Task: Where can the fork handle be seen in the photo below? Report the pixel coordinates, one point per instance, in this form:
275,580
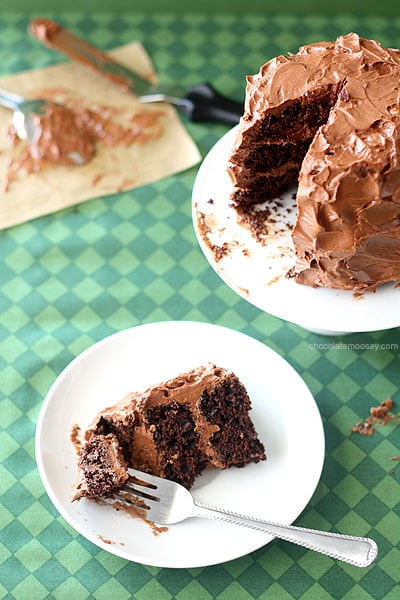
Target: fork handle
357,551
9,99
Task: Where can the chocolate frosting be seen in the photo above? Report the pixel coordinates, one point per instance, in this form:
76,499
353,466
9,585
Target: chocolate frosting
185,388
347,233
62,137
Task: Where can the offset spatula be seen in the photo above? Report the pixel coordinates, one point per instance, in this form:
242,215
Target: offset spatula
199,103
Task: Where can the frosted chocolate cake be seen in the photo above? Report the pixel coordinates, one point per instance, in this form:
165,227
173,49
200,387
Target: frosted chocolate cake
175,430
328,118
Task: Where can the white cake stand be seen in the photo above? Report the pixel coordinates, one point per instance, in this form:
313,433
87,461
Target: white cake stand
256,269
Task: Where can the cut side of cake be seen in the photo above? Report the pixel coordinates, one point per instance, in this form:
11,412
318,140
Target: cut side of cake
328,118
268,155
178,428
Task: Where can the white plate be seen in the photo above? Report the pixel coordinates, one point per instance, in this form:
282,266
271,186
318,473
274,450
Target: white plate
256,269
284,413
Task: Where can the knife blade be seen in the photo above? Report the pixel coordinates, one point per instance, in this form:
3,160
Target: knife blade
199,102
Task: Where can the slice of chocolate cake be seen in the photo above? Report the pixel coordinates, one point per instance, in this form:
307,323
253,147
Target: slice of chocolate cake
178,428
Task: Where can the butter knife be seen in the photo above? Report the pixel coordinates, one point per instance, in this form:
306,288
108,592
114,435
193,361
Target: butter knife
199,102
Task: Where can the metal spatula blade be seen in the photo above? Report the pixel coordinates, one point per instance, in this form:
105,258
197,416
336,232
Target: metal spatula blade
199,102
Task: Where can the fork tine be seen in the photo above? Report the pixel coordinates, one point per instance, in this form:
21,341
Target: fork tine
133,487
152,498
132,495
124,500
145,479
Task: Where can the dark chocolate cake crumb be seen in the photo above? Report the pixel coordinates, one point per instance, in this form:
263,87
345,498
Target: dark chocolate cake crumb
379,416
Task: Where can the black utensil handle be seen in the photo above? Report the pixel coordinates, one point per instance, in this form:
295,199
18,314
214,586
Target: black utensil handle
206,104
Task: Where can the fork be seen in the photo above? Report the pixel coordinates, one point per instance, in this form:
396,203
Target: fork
24,114
165,502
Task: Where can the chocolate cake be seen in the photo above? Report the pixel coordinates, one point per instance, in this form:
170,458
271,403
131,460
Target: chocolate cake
175,430
328,118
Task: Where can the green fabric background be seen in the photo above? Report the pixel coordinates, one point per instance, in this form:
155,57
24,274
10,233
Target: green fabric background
72,278
237,7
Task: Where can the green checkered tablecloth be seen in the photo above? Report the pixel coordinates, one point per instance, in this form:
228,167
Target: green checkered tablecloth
72,278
